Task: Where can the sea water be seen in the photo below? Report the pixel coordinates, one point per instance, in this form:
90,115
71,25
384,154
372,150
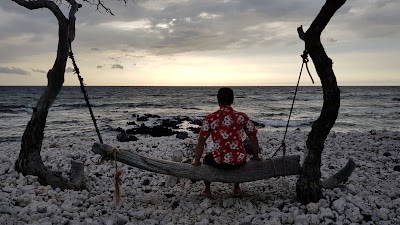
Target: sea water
362,108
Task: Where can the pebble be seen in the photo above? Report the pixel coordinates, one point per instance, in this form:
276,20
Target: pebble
5,165
312,208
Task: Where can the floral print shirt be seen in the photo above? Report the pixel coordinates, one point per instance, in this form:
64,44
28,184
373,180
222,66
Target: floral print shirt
226,127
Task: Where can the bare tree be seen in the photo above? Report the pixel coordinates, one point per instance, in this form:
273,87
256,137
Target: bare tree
309,187
29,160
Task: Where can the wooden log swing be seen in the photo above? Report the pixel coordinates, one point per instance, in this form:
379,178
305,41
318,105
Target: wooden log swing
251,171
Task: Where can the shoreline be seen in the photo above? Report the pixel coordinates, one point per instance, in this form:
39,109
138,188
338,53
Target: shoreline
371,195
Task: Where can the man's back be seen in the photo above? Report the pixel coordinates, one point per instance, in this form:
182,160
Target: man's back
226,126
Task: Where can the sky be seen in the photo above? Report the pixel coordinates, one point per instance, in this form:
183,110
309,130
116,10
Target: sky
202,43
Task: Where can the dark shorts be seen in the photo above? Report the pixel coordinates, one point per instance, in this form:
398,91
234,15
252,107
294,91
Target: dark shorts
209,160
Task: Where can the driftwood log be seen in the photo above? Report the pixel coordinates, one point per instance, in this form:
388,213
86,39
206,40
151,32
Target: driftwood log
251,171
340,177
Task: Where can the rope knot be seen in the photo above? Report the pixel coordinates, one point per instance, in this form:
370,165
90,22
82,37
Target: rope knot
305,56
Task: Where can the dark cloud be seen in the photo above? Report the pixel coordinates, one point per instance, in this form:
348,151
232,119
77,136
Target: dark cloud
69,70
39,71
13,70
117,66
161,27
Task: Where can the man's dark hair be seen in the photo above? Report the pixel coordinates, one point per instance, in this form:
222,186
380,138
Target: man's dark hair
225,96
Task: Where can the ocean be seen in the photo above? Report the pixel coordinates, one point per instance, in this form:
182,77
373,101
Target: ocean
362,108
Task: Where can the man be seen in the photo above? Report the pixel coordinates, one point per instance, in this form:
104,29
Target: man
226,126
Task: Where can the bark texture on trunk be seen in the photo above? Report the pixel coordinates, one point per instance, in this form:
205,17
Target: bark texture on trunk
29,160
309,186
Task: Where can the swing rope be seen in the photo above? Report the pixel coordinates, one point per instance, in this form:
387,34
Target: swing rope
76,69
304,56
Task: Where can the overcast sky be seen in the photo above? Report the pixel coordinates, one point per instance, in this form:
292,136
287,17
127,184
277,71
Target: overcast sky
202,42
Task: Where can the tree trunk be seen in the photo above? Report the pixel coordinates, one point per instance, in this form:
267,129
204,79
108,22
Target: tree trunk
309,186
29,161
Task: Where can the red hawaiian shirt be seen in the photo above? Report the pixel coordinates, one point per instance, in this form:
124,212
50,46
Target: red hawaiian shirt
226,127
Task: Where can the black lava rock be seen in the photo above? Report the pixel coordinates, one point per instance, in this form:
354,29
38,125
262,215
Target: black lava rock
182,135
387,154
124,137
131,123
175,205
146,182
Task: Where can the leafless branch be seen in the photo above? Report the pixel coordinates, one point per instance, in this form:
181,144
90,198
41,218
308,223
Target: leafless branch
38,4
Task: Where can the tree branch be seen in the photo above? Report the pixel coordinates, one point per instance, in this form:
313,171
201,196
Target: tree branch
71,29
38,4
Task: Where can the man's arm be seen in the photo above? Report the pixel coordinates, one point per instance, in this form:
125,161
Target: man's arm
199,151
255,146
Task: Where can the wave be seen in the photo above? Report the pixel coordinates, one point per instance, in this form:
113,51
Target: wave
193,108
12,108
278,124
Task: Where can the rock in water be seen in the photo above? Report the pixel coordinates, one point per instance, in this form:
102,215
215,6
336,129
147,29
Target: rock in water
124,137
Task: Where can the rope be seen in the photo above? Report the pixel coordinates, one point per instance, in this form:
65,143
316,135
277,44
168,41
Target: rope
304,56
71,55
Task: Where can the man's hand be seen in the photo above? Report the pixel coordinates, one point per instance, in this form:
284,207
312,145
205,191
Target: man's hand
196,163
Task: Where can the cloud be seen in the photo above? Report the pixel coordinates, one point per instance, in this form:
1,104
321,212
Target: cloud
69,70
13,70
117,66
39,71
330,40
167,27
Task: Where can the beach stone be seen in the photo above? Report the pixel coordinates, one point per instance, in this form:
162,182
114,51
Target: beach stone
227,203
287,218
142,118
275,214
302,219
24,200
314,219
326,213
272,221
354,215
124,137
383,213
6,209
5,165
139,215
146,182
245,223
387,154
28,189
131,123
182,135
338,205
352,189
206,203
41,207
323,203
312,208
204,221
